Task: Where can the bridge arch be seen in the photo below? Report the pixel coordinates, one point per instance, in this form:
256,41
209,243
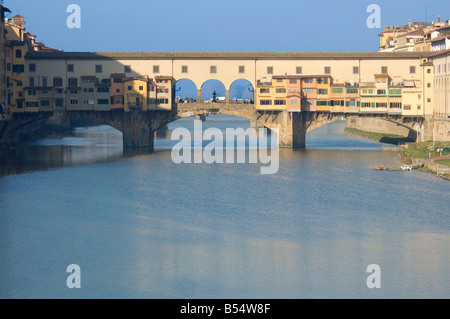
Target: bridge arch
241,89
185,90
209,87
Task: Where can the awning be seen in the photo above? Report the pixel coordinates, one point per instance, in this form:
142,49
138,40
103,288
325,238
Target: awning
408,83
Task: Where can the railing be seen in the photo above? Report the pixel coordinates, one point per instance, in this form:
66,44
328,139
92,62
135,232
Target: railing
134,105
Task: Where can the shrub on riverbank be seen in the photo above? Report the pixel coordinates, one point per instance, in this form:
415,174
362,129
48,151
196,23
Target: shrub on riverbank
381,137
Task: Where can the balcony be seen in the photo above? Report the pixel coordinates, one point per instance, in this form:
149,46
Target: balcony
263,83
135,105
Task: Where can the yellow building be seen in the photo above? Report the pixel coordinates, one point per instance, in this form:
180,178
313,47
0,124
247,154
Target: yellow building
136,93
323,86
337,97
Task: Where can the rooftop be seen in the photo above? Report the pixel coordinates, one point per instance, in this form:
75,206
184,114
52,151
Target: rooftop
224,55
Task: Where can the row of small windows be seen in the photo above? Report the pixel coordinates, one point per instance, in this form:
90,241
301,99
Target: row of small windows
241,69
60,102
311,102
339,90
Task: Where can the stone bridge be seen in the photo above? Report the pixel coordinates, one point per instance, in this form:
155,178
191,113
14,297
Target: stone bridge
138,127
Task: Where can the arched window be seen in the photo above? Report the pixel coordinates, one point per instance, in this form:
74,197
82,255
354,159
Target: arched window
18,53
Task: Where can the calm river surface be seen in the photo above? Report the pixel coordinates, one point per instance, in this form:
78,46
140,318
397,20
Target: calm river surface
141,226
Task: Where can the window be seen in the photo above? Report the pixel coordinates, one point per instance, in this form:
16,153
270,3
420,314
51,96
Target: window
241,69
73,92
322,91
184,69
156,69
45,102
57,82
279,90
407,107
267,90
89,80
428,100
32,104
31,81
31,92
298,70
102,101
270,70
117,80
337,90
322,80
265,102
294,101
44,81
308,91
280,102
384,70
308,80
102,89
428,85
213,69
395,92
352,90
18,68
18,53
127,69
98,68
395,105
73,82
141,88
32,67
73,101
428,70
418,107
355,69
70,68
381,104
327,70
381,92
59,102
412,69
293,81
88,101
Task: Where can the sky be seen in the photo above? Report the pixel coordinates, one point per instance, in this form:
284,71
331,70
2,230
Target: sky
219,25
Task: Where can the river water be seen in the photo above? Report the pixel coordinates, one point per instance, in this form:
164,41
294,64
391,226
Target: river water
141,226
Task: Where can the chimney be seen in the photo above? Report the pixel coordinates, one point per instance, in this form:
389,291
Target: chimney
439,18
